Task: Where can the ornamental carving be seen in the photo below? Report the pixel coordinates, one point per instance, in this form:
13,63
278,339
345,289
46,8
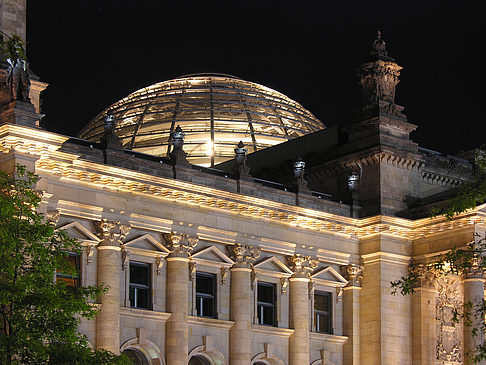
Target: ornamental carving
302,266
53,216
475,271
111,233
353,273
449,330
426,276
244,256
180,244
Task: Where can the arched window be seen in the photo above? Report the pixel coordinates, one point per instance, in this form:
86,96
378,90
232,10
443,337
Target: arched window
136,356
198,360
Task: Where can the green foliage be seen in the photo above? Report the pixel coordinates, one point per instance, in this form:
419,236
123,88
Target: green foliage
12,47
469,195
39,317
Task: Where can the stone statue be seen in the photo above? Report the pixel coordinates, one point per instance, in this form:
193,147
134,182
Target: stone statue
18,80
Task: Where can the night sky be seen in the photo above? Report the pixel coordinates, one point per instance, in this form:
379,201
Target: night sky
93,53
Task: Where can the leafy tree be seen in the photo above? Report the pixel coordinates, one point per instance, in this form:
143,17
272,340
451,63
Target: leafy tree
460,260
12,47
39,317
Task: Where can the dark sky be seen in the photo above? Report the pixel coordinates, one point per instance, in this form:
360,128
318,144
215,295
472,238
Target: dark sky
93,53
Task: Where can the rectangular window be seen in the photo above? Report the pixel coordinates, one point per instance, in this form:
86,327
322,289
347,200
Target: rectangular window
266,304
323,312
139,289
72,278
206,295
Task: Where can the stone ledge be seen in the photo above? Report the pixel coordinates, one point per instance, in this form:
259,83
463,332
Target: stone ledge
325,337
210,322
145,314
275,331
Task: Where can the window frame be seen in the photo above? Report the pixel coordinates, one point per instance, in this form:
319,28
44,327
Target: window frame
137,286
317,313
260,304
200,295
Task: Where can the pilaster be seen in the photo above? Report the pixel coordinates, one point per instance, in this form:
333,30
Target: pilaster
474,295
112,233
299,344
241,304
177,340
424,331
351,316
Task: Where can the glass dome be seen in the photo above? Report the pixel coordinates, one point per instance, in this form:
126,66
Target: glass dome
215,112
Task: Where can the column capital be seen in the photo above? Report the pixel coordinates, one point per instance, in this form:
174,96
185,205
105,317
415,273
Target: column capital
426,276
180,244
475,271
353,273
243,256
302,265
111,233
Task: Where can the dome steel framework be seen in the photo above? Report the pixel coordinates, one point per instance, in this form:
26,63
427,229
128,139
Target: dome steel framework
215,112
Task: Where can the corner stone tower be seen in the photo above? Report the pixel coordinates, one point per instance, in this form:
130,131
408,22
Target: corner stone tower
379,139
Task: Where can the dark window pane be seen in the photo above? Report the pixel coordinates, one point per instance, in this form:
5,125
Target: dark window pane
321,301
206,295
139,274
266,304
266,293
205,284
323,312
139,288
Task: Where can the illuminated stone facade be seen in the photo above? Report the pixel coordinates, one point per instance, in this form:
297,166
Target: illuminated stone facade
221,267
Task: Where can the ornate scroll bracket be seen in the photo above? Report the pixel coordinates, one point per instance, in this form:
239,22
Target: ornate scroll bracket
302,266
159,264
180,244
224,275
192,270
284,284
244,256
111,233
125,259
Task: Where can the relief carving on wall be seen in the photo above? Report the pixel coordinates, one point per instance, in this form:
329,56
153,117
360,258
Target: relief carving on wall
449,331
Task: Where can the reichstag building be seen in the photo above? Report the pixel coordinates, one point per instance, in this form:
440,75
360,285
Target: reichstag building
233,227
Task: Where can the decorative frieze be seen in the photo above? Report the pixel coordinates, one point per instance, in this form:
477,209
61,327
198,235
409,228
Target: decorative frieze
111,233
180,244
301,265
353,273
244,256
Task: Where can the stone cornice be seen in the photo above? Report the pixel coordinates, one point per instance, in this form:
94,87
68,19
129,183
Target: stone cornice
370,156
68,167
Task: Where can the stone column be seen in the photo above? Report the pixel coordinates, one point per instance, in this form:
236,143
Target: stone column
351,317
299,345
112,234
241,304
424,329
177,337
474,295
